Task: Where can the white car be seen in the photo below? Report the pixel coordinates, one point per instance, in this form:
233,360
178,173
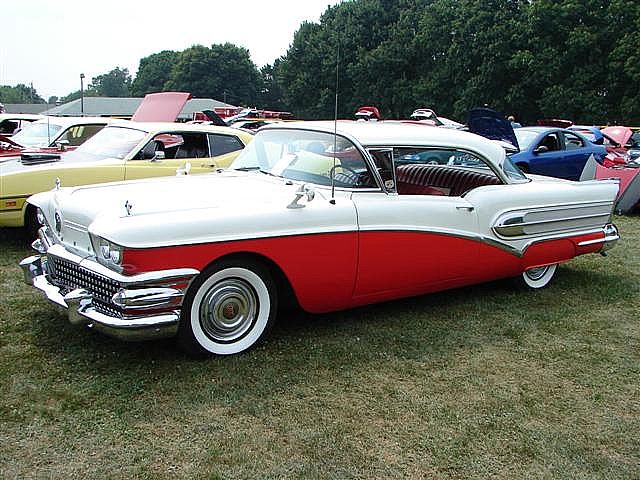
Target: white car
330,215
11,123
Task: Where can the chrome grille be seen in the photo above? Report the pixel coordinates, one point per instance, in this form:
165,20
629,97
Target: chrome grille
70,276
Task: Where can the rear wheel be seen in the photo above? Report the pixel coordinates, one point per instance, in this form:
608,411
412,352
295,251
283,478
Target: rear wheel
229,309
539,277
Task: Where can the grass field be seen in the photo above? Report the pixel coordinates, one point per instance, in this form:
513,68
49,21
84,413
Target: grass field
481,382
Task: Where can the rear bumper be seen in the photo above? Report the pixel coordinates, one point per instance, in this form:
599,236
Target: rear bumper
140,307
611,237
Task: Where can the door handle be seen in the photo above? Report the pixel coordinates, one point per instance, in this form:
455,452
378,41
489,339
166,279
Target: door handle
466,208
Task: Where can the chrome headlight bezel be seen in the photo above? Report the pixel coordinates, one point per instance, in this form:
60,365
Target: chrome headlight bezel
40,217
107,253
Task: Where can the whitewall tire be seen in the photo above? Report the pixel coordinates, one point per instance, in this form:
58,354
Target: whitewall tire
539,277
228,310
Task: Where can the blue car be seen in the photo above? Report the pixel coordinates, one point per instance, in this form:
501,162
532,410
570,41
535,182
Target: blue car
555,152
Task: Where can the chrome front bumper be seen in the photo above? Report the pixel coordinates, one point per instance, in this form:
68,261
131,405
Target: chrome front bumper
145,306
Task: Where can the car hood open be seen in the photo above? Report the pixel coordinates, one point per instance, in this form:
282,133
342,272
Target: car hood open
621,135
492,125
161,107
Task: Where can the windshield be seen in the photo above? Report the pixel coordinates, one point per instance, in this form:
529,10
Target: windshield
525,138
110,142
37,134
306,156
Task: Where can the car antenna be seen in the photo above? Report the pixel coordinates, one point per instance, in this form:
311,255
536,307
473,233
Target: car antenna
335,132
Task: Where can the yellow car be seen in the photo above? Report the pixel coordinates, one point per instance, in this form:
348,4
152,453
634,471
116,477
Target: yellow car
121,151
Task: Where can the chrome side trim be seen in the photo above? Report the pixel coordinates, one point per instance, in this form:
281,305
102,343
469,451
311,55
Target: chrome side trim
551,219
496,242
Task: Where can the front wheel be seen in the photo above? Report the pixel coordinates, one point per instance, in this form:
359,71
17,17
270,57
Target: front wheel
228,309
539,277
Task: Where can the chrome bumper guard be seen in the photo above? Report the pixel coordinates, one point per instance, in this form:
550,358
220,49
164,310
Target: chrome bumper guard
611,237
132,312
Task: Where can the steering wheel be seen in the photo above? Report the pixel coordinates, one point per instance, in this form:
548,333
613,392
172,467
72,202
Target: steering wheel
348,176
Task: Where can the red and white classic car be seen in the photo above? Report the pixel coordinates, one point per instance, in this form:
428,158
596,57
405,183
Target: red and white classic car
329,215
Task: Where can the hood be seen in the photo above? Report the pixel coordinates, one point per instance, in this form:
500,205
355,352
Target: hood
175,210
621,135
492,125
161,107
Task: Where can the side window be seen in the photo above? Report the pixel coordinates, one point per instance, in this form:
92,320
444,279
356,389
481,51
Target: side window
176,146
222,144
383,160
8,127
78,134
551,142
443,172
571,141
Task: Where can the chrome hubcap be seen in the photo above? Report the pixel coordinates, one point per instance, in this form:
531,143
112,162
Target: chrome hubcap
536,273
228,310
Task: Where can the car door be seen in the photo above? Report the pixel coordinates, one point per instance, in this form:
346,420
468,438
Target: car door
576,154
413,243
168,154
549,156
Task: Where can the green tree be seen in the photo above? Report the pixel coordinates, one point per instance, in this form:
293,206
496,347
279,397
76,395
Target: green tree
154,72
534,58
19,94
270,96
116,83
221,72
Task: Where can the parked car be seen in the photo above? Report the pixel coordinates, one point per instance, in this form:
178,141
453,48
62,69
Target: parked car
11,123
555,152
51,134
314,212
617,153
59,134
121,151
628,199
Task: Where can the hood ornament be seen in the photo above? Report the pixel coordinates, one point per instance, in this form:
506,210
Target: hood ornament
57,183
128,206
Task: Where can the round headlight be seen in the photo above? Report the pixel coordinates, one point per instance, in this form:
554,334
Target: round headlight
105,251
40,217
116,255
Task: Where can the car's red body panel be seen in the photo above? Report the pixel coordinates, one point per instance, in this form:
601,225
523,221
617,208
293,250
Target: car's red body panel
356,264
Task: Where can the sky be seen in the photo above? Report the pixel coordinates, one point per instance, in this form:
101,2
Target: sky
50,43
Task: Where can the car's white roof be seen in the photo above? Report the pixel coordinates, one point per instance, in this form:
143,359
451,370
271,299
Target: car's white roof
157,127
371,134
71,121
20,116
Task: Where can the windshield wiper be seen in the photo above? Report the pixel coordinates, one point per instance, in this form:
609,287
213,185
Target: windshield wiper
247,169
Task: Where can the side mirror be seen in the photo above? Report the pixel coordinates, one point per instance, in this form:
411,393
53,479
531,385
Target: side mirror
153,151
541,149
62,145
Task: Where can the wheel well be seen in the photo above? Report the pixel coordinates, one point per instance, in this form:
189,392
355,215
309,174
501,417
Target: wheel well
523,166
286,295
29,211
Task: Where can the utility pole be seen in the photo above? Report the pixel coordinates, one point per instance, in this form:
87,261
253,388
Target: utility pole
81,94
